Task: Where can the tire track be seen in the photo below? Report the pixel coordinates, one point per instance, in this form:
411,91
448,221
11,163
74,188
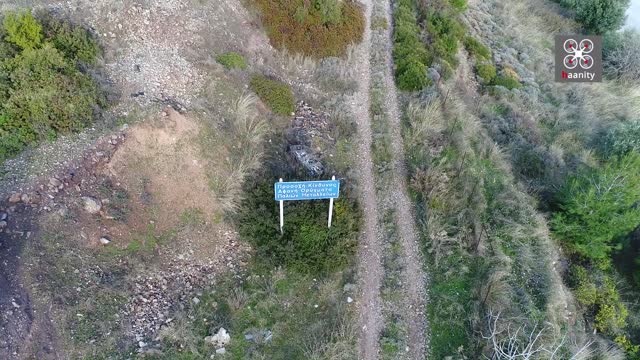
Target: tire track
414,277
370,248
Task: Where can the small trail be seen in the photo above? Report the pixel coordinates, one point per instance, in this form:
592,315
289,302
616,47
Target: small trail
370,249
414,277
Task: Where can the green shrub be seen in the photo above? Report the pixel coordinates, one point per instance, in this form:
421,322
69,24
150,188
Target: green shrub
475,48
330,11
306,245
232,60
22,30
42,90
74,42
446,32
411,75
597,206
508,81
49,94
318,28
487,72
275,94
409,52
620,140
600,16
459,5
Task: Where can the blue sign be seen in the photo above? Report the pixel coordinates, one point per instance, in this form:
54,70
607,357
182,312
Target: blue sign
307,190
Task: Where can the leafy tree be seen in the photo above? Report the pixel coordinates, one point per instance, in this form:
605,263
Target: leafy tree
600,16
23,30
599,205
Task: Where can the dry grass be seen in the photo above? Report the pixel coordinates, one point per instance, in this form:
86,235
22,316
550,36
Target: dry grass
236,150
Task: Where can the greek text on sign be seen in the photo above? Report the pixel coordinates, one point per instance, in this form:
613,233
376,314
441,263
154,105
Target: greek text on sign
307,190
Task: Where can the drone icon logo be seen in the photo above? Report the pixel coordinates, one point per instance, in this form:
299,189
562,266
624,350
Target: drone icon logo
578,54
578,58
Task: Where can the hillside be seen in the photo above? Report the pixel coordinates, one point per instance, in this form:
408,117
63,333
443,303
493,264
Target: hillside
486,210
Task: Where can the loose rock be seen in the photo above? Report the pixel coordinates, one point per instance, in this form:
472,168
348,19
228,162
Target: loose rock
91,204
15,198
55,182
104,240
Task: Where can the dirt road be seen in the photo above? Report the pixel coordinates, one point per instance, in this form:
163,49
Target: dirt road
414,276
370,249
371,269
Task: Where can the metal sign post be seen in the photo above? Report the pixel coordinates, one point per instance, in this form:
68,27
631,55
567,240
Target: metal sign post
281,214
306,190
331,206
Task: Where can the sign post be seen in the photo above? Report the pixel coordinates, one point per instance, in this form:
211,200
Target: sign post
281,214
331,205
306,190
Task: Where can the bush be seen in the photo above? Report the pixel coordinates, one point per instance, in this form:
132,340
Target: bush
487,72
23,30
622,55
42,90
73,41
508,78
460,5
232,60
409,53
445,32
597,206
318,28
620,140
275,94
475,48
598,294
600,16
306,245
411,75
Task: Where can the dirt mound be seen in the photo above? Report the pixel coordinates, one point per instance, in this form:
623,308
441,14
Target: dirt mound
160,164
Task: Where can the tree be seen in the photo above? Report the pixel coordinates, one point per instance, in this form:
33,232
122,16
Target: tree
600,16
598,206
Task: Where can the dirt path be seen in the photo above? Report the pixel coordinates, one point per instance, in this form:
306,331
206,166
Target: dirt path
414,276
370,249
371,269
